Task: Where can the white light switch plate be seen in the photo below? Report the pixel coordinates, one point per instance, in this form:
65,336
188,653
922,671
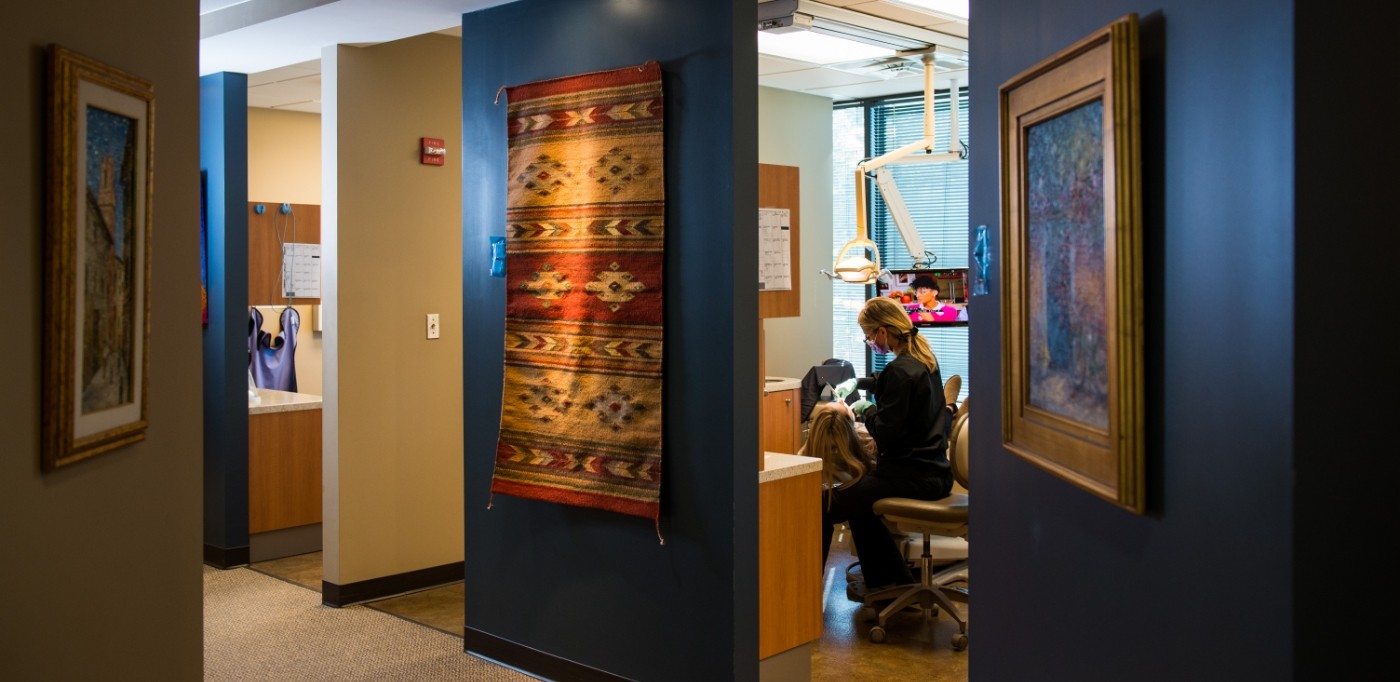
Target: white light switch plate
433,330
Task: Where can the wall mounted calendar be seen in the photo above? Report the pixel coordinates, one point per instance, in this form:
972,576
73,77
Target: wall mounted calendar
301,270
774,249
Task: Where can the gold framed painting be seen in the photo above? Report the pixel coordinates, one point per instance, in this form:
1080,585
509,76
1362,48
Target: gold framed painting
1072,334
97,258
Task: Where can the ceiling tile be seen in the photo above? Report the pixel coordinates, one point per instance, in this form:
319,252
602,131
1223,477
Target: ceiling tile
311,68
953,27
768,64
811,79
909,85
307,107
297,87
304,89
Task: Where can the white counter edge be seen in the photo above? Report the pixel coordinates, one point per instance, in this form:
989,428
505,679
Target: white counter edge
282,401
775,384
777,466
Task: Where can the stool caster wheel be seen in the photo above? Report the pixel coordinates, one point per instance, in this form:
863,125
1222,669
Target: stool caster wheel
959,642
869,613
877,634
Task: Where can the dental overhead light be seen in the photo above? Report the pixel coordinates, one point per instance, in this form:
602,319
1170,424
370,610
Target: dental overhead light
858,268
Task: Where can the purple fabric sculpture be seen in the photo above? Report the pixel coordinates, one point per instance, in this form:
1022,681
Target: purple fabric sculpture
272,358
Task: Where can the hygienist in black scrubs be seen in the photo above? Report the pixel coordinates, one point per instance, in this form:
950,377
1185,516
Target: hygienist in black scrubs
909,421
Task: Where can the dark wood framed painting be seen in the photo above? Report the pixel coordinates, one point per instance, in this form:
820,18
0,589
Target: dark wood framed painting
1072,334
97,250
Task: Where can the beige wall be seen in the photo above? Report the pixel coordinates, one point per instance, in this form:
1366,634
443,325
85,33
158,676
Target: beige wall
102,559
284,156
284,166
391,233
794,129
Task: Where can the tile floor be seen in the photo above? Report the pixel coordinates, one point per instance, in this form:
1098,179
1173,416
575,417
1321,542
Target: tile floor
915,648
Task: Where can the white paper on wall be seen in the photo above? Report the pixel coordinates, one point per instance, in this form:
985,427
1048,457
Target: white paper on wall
301,270
774,249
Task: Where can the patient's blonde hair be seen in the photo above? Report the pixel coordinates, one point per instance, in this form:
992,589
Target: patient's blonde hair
832,435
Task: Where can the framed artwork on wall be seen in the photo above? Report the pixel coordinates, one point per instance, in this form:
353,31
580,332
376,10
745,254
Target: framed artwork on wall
204,247
96,257
1072,339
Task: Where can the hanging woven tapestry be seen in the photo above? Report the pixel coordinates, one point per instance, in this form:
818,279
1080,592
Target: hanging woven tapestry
585,216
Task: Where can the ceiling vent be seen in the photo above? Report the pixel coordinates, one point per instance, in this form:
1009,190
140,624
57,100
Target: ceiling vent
888,68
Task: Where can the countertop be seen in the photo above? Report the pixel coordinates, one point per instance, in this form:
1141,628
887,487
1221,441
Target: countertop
777,466
773,384
282,401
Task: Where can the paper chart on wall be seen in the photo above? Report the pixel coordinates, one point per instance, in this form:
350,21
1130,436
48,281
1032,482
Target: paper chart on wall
301,270
774,249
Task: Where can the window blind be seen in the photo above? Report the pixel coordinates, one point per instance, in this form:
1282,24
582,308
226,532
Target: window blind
936,196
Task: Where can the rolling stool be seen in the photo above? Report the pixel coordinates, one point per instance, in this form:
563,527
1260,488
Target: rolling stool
930,518
946,517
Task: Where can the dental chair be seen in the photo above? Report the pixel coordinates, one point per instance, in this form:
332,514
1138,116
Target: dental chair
937,518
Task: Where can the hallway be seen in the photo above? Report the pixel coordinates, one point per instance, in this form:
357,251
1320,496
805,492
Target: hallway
257,627
915,651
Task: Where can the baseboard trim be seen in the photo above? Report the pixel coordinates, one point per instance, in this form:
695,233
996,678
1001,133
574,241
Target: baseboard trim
390,585
284,542
532,661
225,557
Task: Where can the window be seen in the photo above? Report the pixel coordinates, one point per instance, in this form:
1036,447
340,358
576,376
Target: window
936,195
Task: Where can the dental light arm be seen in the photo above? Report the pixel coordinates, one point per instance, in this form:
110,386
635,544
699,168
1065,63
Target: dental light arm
858,269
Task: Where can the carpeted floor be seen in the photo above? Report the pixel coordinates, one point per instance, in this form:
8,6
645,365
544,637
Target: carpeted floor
257,627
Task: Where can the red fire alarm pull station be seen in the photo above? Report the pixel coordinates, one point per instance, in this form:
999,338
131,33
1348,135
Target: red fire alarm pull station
434,153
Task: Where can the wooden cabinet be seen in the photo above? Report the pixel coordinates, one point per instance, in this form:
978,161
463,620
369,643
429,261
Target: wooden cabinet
789,558
284,469
781,428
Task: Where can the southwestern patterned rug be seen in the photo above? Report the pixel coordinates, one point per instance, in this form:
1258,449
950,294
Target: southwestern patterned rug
585,212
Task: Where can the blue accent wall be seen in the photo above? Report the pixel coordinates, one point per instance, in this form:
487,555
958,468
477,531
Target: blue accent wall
223,156
1071,587
591,587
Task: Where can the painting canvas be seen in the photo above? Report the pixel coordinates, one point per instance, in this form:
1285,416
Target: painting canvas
1065,273
1072,343
204,247
97,253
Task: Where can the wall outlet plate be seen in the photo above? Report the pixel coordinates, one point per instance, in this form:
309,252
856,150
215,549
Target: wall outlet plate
434,330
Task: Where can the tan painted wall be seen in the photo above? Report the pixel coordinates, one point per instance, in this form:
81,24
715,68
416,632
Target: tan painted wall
392,230
102,569
794,129
284,166
284,156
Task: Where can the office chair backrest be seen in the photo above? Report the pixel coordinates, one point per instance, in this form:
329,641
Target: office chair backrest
958,450
829,373
951,388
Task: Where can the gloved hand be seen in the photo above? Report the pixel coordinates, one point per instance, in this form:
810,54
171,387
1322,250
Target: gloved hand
844,388
860,406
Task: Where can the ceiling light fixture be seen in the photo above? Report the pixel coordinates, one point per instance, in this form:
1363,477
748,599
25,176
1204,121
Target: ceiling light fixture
818,48
785,16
